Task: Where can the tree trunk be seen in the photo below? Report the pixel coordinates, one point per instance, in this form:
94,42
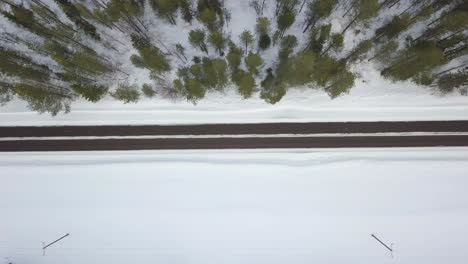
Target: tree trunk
349,25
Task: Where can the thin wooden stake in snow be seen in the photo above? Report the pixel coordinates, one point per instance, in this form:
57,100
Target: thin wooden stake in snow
385,245
50,244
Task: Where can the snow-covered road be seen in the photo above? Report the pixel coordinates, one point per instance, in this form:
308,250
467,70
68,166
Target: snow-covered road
293,206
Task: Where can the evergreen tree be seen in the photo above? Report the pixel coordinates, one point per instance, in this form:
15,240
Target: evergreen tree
316,10
394,27
218,41
210,13
273,89
245,83
263,32
166,8
126,93
74,15
359,51
42,98
451,81
247,39
148,90
418,58
363,11
253,62
149,57
234,58
90,92
285,20
6,92
341,83
197,39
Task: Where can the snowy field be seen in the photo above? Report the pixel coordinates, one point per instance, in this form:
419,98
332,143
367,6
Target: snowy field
294,206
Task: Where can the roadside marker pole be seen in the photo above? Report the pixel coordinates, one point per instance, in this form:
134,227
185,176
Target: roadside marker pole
50,244
383,244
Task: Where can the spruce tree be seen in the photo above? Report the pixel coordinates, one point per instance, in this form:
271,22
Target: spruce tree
234,58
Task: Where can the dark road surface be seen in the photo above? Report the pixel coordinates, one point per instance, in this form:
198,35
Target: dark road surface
234,143
238,129
248,142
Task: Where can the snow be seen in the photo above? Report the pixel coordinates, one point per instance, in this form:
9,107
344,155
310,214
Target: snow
373,99
275,206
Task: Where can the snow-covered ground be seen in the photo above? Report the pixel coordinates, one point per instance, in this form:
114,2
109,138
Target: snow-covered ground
276,206
373,99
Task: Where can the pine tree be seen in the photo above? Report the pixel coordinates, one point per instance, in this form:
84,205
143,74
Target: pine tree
197,39
418,58
341,83
218,41
285,20
451,81
394,27
263,30
253,62
245,83
126,93
166,9
90,92
148,90
149,57
316,10
74,15
273,89
6,93
359,51
42,98
336,43
364,10
247,39
234,58
211,13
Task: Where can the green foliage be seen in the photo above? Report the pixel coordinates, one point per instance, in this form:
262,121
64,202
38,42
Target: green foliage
342,82
253,62
264,41
289,42
359,51
246,38
197,39
121,9
91,92
245,83
394,27
285,20
41,98
195,80
217,40
316,10
234,58
149,57
318,37
386,51
15,64
321,8
126,93
448,82
421,57
148,90
6,93
366,9
74,15
166,9
263,26
273,90
211,13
